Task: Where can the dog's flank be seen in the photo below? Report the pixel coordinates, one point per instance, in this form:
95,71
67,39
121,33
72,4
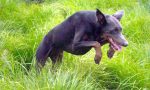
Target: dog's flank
81,32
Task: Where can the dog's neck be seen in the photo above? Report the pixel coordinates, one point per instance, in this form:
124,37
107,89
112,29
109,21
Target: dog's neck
101,40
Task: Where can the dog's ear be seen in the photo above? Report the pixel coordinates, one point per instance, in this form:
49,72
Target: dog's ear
100,17
119,14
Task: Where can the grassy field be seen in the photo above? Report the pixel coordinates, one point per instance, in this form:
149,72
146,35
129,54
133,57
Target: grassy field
24,24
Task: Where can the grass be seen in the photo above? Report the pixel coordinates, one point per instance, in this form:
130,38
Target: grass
23,25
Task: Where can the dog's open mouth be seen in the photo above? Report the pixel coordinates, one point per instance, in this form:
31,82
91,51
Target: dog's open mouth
114,45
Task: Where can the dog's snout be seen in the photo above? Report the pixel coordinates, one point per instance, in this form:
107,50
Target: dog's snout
125,44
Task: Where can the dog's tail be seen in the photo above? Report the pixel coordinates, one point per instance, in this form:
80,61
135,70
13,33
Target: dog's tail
43,51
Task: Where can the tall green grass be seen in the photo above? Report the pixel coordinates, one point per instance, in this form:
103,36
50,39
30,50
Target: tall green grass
23,24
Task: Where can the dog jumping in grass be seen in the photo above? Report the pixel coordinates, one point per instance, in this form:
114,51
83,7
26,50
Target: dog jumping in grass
81,32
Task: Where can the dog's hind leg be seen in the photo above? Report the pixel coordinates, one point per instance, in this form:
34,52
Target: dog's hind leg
43,52
56,56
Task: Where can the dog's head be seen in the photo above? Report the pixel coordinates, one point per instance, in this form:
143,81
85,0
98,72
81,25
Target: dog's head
112,29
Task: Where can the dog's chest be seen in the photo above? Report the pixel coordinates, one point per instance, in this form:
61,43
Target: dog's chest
87,37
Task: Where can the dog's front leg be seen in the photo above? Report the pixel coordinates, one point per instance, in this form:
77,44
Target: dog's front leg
79,43
84,44
98,53
110,52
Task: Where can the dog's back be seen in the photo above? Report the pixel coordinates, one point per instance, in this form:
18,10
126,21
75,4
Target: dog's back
64,33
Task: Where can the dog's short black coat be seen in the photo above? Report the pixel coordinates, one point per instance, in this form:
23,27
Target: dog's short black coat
77,35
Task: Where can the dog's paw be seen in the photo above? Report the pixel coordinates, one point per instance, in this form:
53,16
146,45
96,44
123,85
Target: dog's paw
110,54
97,58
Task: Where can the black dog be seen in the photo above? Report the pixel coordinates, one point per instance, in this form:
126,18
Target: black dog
79,33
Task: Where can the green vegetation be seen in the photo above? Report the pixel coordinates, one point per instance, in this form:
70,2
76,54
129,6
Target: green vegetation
24,24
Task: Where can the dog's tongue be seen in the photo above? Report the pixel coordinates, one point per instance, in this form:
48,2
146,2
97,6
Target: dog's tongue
114,45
